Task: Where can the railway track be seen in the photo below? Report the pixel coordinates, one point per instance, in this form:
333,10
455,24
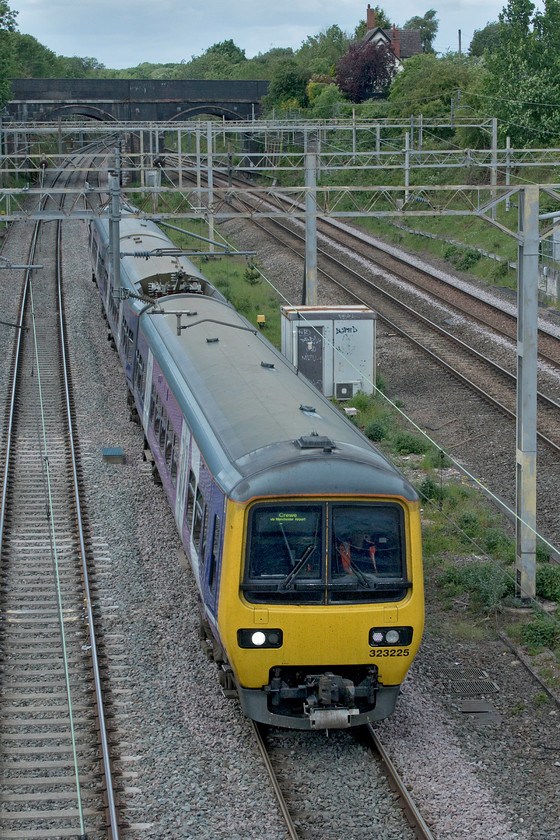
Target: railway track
55,763
315,802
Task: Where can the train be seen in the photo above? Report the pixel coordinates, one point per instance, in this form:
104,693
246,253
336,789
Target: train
304,540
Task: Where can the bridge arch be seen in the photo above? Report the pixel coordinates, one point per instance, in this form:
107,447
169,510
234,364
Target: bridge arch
214,110
80,110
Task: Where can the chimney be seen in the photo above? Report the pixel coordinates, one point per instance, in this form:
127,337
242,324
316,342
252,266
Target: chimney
370,18
396,42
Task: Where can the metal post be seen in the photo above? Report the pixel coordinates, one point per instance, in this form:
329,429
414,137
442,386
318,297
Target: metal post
494,169
406,164
377,141
526,455
420,135
412,131
210,177
354,143
508,169
180,154
198,164
142,176
311,297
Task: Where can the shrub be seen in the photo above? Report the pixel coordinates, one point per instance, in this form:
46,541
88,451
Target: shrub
430,489
542,632
406,443
461,257
376,430
252,275
496,542
361,401
487,583
548,583
436,459
469,522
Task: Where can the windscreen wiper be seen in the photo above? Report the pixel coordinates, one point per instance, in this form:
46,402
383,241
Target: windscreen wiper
299,565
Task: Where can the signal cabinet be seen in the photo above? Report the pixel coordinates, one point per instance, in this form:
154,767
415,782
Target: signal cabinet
332,346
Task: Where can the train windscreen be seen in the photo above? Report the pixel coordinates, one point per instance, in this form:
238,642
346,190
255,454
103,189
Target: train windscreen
325,553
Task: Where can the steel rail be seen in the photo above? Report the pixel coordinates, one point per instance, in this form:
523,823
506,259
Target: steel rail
413,815
13,389
113,821
257,731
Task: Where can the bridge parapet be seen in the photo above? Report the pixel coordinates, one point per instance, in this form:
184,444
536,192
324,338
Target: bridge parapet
132,100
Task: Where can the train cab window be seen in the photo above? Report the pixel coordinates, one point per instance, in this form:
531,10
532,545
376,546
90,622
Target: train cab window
191,495
214,554
285,556
367,548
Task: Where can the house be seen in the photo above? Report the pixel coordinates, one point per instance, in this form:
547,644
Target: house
403,42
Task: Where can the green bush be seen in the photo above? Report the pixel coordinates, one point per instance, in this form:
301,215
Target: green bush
469,522
361,401
406,443
430,489
461,257
544,631
436,459
487,583
497,543
376,430
548,583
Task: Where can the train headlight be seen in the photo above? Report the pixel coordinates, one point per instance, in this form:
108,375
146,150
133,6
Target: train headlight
389,636
259,638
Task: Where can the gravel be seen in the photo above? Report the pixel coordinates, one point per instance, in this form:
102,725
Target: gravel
190,768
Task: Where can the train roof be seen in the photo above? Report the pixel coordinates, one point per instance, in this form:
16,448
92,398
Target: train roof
142,236
262,428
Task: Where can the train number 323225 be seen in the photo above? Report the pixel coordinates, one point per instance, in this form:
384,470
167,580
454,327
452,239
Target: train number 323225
389,652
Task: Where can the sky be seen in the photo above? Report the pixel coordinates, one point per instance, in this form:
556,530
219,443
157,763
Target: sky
125,33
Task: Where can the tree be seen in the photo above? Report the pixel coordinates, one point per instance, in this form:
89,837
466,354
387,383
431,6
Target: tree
288,85
523,89
30,59
7,17
320,53
366,70
220,61
485,39
428,26
7,26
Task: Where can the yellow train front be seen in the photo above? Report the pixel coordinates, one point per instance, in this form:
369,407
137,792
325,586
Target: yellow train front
322,613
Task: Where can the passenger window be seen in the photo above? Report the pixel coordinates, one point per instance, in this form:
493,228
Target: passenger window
174,460
214,555
169,445
157,416
197,527
162,428
190,500
203,536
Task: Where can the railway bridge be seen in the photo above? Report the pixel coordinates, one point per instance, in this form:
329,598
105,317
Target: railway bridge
134,100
